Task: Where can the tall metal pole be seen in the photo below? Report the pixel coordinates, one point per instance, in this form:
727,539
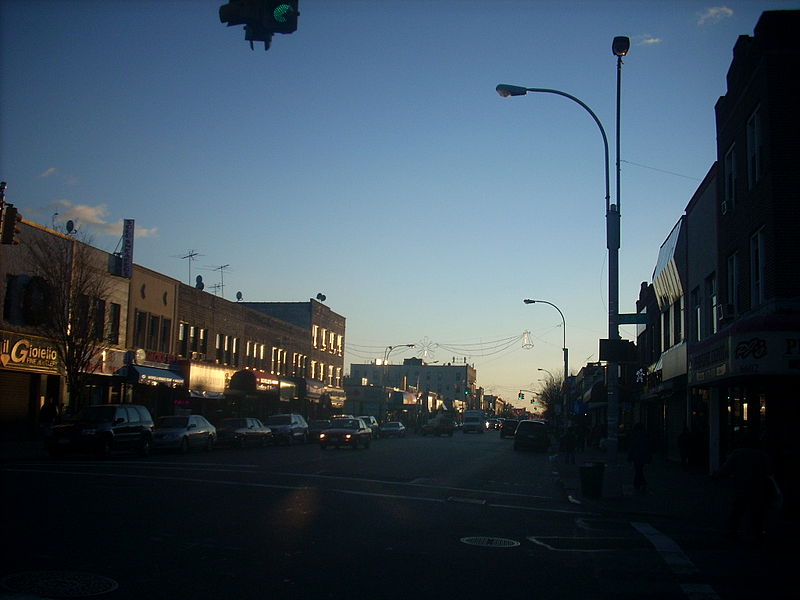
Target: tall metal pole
620,48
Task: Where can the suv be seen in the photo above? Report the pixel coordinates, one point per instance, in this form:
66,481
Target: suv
102,428
532,434
372,423
439,425
288,428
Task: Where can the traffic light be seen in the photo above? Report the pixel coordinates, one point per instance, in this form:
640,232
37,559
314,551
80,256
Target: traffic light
521,396
261,18
11,219
281,16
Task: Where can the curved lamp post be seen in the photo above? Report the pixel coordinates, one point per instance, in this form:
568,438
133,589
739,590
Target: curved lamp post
612,243
564,328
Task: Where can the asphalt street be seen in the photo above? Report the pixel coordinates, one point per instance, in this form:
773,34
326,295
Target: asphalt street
462,516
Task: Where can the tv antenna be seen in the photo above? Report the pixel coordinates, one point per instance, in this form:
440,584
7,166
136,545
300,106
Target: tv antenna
191,255
221,285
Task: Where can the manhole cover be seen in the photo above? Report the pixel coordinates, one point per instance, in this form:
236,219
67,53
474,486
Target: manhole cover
490,542
59,584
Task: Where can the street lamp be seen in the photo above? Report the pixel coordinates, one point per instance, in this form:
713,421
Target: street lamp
612,243
389,350
563,327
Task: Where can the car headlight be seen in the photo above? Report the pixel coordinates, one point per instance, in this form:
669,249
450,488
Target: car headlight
322,436
348,436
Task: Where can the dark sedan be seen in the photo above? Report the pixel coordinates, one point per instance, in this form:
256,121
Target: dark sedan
393,429
346,432
507,427
244,431
531,434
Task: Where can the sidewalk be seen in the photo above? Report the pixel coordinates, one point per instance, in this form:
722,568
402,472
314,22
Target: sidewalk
690,496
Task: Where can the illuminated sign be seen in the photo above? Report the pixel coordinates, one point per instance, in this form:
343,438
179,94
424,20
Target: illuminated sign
27,353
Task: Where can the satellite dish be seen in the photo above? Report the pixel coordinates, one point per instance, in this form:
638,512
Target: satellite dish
321,297
239,296
70,226
199,282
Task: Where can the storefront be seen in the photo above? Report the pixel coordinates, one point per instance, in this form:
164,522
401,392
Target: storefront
747,378
28,378
154,380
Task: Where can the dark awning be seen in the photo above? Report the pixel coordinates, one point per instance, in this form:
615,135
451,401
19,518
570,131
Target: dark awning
150,375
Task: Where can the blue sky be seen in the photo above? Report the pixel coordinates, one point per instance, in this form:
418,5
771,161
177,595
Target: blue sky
368,157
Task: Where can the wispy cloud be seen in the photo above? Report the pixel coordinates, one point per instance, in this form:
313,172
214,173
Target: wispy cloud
647,40
48,172
96,218
715,14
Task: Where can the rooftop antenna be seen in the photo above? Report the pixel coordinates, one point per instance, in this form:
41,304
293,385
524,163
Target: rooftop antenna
221,285
191,255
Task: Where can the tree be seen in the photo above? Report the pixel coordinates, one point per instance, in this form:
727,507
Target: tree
550,396
65,301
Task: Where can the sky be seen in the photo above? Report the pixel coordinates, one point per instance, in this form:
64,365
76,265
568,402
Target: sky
367,157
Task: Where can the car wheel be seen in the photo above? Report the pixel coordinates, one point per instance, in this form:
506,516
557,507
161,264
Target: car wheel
184,446
144,447
209,443
366,444
104,449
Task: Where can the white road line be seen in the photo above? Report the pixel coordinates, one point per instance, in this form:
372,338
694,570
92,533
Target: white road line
678,562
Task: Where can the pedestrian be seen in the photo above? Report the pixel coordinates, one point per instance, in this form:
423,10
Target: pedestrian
48,414
753,489
640,454
685,447
567,447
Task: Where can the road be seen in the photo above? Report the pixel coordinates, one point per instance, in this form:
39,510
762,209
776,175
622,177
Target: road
423,517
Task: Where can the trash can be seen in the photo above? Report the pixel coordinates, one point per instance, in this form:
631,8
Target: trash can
592,479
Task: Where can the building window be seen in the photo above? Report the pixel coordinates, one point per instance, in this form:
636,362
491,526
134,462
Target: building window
315,336
153,330
666,330
696,315
139,329
755,149
677,321
732,306
99,319
114,316
235,352
729,192
218,348
757,268
166,334
713,308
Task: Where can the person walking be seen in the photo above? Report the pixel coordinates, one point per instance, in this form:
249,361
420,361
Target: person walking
640,454
567,447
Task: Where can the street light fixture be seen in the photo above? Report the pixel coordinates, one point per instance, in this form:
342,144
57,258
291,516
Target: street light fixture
612,243
563,327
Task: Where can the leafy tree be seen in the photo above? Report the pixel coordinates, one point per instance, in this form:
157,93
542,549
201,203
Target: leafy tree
550,396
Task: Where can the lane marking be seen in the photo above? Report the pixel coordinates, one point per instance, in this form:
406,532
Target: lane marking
677,561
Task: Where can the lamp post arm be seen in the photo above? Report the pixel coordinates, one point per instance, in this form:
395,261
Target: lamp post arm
599,125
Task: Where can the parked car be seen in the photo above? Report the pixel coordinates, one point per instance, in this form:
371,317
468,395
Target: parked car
492,424
346,432
288,428
316,427
508,427
393,429
184,433
531,434
103,428
439,425
244,431
372,423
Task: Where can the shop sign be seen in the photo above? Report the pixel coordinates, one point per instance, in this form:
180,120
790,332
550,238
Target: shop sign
27,353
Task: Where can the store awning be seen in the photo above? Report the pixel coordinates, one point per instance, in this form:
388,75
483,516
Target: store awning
150,375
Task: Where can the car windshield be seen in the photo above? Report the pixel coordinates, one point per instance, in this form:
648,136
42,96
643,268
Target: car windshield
172,422
320,423
97,414
279,420
344,424
234,423
531,426
392,425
